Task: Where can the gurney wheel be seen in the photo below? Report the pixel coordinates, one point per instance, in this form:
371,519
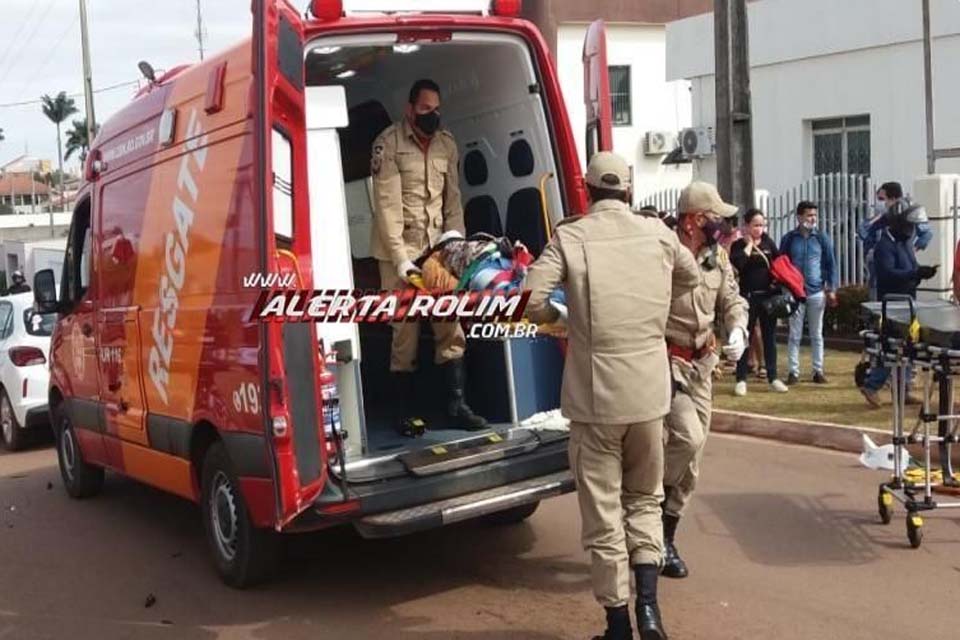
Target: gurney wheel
885,506
914,529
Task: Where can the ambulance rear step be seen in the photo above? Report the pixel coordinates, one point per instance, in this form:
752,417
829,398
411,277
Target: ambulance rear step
465,507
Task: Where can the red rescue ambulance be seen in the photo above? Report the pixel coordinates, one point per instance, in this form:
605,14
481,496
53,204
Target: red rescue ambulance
257,161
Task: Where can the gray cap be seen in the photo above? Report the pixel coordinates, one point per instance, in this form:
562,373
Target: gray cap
607,170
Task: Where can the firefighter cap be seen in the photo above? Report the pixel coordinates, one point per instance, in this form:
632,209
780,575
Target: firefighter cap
703,196
607,170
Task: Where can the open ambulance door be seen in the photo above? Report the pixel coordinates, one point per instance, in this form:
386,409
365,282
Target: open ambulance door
596,90
289,356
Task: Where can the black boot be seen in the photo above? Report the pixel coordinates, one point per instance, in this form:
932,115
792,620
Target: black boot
402,386
457,407
673,564
649,624
618,624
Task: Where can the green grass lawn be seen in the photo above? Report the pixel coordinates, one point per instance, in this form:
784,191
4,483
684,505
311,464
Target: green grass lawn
839,401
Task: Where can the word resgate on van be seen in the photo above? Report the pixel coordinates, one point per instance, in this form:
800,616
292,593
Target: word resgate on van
176,249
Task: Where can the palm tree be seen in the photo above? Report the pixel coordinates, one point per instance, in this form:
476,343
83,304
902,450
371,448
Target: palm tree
57,110
77,140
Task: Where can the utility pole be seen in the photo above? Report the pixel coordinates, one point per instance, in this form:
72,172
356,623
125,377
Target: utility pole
734,111
199,32
928,89
87,76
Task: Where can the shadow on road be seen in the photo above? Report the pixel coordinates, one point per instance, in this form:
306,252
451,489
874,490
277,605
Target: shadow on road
780,529
133,540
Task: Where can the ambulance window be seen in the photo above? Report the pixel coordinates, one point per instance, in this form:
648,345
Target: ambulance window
282,186
77,264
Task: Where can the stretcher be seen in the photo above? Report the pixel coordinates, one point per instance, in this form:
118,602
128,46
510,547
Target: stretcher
923,337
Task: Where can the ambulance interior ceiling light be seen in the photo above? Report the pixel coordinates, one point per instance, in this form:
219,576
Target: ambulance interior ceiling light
406,48
325,51
349,73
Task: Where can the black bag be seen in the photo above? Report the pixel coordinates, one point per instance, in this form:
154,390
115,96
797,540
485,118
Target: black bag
779,303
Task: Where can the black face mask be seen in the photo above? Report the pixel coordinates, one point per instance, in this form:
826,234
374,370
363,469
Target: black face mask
714,230
427,122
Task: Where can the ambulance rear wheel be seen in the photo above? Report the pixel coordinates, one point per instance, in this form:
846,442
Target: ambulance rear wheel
243,554
513,515
81,479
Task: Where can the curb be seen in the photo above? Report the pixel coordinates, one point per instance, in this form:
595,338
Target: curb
825,435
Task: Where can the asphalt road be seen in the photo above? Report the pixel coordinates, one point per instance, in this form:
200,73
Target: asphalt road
783,542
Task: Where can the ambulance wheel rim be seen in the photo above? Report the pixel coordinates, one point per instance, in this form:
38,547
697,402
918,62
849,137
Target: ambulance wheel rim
6,419
69,450
223,513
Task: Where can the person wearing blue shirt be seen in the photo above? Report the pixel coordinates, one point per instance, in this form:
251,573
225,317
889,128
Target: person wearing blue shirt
811,252
871,230
897,272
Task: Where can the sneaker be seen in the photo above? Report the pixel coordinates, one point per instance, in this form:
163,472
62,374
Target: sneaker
793,379
819,378
871,396
740,389
778,387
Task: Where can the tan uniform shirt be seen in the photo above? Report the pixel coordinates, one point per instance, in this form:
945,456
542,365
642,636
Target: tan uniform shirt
620,273
416,194
692,315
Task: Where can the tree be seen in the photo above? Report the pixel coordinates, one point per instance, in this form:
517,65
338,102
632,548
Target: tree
57,110
1,134
78,140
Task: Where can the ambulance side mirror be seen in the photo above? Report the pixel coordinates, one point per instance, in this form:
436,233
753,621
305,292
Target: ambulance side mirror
45,291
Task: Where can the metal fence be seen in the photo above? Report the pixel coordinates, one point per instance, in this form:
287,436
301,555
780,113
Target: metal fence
843,201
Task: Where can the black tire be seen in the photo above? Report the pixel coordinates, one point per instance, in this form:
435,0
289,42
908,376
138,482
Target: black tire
914,530
81,479
513,515
242,554
11,434
885,510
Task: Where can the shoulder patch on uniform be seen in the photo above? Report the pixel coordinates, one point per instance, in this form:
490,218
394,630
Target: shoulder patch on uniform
376,158
723,258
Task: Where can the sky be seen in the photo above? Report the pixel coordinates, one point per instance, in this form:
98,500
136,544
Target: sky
40,54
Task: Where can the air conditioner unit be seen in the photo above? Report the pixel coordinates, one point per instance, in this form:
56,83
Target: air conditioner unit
696,142
658,143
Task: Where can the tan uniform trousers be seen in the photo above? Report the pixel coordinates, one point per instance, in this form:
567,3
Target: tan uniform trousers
686,429
449,339
618,469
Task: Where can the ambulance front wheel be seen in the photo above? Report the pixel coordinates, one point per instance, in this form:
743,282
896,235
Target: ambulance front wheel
81,479
243,554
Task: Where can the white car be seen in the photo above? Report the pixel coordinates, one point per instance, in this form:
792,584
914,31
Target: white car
24,369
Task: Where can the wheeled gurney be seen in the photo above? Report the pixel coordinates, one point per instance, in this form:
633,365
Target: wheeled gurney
925,337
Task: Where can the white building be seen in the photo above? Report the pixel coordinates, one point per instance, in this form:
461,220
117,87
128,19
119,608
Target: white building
836,87
643,99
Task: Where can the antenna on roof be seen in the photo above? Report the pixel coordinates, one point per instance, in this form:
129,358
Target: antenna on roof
147,71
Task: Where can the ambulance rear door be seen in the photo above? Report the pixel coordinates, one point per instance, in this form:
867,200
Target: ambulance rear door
289,355
596,90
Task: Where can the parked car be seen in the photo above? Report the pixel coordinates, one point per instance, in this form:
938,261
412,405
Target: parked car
24,373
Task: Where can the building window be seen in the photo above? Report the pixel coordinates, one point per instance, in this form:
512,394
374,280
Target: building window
620,95
841,145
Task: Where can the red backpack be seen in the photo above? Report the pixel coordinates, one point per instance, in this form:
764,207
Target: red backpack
789,276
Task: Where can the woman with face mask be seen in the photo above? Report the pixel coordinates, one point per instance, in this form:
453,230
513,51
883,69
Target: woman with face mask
751,256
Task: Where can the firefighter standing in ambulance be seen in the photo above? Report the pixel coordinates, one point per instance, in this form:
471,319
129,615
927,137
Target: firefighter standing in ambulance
620,272
703,217
416,199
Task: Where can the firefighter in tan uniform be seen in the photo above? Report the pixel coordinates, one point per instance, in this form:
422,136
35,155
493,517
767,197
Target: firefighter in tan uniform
620,272
703,219
416,198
